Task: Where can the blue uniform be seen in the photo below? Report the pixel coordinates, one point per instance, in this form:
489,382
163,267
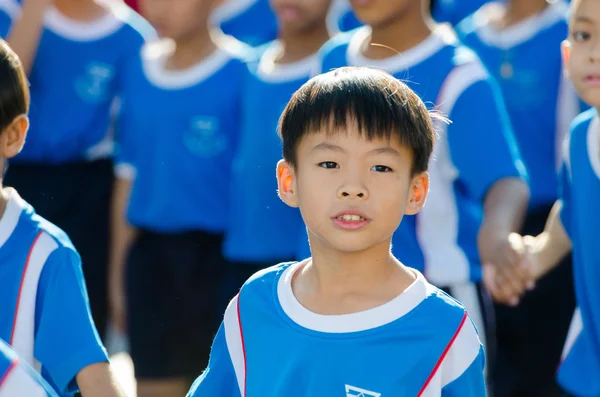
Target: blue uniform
526,61
341,18
472,153
454,11
179,132
17,378
262,228
74,82
580,215
45,315
421,343
253,22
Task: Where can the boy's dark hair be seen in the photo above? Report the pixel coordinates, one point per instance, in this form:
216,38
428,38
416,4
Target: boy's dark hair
380,105
14,91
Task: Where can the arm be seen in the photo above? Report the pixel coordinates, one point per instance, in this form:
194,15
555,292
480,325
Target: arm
24,37
97,380
122,236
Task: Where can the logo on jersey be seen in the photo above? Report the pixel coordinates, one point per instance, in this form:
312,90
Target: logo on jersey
93,86
352,391
203,137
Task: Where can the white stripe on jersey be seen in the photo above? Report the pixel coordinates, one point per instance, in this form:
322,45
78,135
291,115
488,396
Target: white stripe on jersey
574,331
234,340
22,339
11,7
18,382
438,223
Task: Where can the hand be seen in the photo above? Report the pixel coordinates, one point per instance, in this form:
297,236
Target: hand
506,273
118,308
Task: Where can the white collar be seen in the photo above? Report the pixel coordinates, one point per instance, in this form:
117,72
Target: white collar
12,213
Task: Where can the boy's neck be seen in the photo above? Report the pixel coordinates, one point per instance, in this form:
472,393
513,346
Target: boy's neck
397,36
519,10
80,10
192,50
299,46
333,274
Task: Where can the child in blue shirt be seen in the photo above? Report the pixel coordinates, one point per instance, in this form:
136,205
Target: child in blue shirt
574,223
17,378
352,319
44,313
73,52
519,43
179,128
262,229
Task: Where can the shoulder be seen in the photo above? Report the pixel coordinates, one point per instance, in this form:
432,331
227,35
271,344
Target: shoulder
576,140
12,8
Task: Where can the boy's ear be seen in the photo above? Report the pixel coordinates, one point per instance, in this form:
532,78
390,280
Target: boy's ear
286,183
419,187
565,47
13,137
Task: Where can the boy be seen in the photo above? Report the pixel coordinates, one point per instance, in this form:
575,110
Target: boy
283,67
476,171
353,319
575,220
73,51
17,378
180,122
541,104
44,311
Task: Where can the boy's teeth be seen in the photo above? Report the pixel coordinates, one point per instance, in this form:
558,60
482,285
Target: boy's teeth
350,218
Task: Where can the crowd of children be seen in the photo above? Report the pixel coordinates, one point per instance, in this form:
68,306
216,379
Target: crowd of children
390,191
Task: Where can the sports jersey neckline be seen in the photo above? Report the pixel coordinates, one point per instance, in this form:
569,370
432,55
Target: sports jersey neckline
441,36
230,9
12,213
365,320
82,31
270,71
519,33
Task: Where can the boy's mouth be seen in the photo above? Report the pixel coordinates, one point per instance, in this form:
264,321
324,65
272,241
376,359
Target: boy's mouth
593,79
350,220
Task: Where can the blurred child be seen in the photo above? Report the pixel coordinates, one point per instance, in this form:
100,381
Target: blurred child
356,145
44,313
180,122
254,237
73,51
476,171
519,43
17,378
575,220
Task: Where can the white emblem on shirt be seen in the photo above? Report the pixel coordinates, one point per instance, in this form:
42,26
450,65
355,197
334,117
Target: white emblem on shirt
352,391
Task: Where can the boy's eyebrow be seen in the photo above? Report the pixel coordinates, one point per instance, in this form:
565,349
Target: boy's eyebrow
327,146
386,150
584,19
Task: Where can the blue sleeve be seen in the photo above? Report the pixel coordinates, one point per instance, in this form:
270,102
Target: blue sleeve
219,377
481,140
470,383
66,339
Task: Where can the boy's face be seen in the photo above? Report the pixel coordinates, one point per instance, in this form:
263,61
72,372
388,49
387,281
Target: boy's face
582,51
380,12
352,192
177,19
298,16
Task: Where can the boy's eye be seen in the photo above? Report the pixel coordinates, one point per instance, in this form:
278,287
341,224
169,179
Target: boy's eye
581,36
381,168
328,164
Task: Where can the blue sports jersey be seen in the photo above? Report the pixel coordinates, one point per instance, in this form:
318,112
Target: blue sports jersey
341,18
580,215
17,378
526,61
472,153
421,343
74,82
454,11
179,132
262,227
250,21
46,316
